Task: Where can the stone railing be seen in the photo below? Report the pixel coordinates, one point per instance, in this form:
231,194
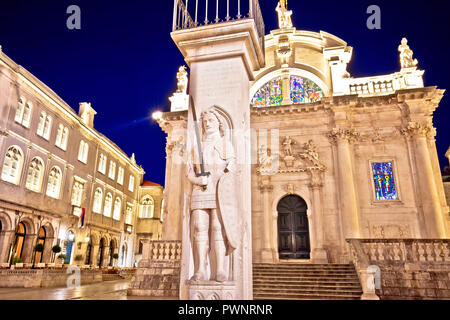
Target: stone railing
189,14
402,250
161,250
380,85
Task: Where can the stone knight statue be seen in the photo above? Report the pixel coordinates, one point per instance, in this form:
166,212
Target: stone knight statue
284,15
214,220
406,55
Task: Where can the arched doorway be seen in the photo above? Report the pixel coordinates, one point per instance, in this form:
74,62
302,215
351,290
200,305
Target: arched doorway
70,240
20,240
293,228
101,252
41,240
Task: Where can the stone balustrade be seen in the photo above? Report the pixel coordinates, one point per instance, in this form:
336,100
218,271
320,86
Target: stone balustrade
402,250
403,268
161,250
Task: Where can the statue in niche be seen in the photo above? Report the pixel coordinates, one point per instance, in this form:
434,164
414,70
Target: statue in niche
284,15
182,77
406,55
214,219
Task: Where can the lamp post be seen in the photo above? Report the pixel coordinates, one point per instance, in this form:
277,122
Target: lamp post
12,249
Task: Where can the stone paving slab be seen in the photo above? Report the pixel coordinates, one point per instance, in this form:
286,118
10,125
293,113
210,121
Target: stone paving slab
111,290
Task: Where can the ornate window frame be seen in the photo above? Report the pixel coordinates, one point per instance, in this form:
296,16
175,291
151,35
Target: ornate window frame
373,198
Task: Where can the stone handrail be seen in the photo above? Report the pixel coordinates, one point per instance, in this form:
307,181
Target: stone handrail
161,250
401,250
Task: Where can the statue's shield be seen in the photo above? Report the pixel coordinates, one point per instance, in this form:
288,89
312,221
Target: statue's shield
228,210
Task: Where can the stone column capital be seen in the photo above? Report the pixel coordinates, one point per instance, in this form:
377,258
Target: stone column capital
343,135
418,130
447,154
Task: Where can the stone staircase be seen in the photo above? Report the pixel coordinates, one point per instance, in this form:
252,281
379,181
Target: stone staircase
294,281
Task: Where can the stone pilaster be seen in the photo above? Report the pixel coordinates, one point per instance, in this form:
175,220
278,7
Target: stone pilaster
343,138
431,205
318,254
267,252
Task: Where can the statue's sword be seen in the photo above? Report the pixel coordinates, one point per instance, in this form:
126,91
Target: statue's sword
203,173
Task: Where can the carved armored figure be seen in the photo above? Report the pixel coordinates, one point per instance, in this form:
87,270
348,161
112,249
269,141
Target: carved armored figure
213,209
287,146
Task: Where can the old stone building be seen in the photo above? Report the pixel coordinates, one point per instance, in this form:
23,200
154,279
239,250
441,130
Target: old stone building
323,159
62,182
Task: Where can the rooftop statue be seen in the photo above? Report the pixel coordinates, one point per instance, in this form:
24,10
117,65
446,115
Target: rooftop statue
182,77
406,55
284,15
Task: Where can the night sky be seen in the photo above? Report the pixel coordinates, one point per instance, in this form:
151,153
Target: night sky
124,62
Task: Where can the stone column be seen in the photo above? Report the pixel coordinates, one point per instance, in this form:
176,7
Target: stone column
222,60
6,238
27,252
266,190
94,255
431,205
47,254
105,256
346,185
286,88
318,254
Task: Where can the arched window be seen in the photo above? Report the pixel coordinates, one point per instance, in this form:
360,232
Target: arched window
83,151
41,240
117,209
123,259
19,110
98,200
131,183
12,165
129,215
77,193
147,207
62,137
20,239
299,89
23,112
54,182
102,164
108,205
41,125
112,170
27,114
35,175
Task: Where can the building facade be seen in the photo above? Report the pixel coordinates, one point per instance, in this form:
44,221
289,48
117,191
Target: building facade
334,157
62,182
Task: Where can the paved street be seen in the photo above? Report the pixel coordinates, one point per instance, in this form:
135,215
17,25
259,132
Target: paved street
110,290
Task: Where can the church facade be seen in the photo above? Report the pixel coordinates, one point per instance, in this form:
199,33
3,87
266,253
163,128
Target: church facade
334,157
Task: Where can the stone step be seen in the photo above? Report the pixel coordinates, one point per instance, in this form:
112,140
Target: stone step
303,275
298,265
306,297
300,286
301,278
284,292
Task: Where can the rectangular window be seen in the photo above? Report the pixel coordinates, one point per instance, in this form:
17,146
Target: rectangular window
383,179
120,175
131,184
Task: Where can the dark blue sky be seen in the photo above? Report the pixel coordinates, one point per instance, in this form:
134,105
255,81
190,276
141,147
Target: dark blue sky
124,62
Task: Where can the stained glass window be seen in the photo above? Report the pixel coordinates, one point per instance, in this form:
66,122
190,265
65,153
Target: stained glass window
271,94
383,178
304,90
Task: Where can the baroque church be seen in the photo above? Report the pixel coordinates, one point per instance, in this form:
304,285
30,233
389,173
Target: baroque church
338,167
